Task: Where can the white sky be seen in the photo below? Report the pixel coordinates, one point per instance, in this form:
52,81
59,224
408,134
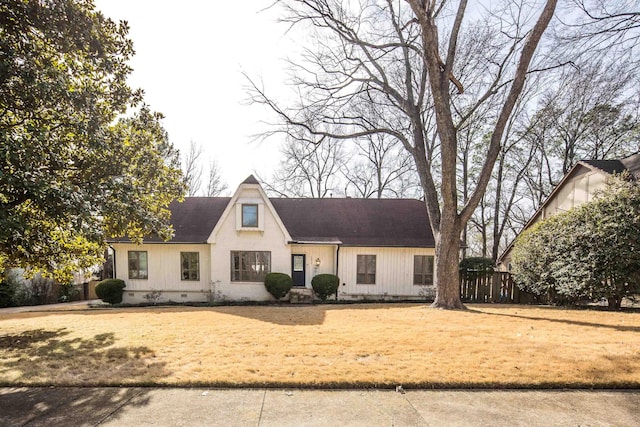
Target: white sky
189,59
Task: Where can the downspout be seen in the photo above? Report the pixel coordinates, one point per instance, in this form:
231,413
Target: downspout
113,262
337,266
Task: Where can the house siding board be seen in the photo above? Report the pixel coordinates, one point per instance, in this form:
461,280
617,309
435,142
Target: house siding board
597,182
581,189
164,272
565,197
394,272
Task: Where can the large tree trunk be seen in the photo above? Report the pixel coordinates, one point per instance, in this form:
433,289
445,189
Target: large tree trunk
614,303
447,275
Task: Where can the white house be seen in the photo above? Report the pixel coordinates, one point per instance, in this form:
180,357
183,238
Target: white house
224,247
580,185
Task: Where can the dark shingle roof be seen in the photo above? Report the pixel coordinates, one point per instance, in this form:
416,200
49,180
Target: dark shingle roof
357,222
353,222
250,180
608,166
630,163
193,220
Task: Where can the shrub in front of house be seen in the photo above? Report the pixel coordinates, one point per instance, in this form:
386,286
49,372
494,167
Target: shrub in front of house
68,292
587,253
325,285
7,292
278,284
110,290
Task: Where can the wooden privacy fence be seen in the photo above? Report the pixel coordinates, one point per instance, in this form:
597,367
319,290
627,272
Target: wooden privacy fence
496,287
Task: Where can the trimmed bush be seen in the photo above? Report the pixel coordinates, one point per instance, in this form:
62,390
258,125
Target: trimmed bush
278,284
325,285
110,290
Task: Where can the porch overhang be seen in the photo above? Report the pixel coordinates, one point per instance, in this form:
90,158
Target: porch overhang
315,241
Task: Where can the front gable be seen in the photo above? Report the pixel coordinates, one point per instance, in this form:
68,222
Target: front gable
577,187
250,213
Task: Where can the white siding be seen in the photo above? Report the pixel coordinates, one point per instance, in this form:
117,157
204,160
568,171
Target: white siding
575,191
164,272
596,182
268,237
326,254
394,272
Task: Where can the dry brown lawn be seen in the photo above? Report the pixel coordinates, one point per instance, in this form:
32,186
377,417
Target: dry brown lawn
368,345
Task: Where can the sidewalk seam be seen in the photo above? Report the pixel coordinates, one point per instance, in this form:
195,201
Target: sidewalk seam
125,402
264,396
406,397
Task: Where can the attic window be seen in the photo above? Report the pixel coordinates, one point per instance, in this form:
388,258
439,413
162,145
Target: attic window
249,215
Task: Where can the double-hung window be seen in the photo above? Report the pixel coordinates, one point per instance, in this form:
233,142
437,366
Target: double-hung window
423,270
366,270
190,265
138,265
250,266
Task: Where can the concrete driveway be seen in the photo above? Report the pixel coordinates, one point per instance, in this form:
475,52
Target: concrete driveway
247,407
65,306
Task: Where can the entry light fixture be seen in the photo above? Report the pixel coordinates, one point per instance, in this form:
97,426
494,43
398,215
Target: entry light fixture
317,262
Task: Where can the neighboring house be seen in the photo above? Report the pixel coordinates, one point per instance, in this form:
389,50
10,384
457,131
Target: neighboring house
223,248
578,186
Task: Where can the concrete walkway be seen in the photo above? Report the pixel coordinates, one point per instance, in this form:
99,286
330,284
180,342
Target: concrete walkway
65,306
246,407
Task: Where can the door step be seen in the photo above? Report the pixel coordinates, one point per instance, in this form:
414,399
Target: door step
301,296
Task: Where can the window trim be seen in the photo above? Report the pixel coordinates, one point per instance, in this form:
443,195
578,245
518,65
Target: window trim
190,266
138,276
366,279
259,277
257,221
425,272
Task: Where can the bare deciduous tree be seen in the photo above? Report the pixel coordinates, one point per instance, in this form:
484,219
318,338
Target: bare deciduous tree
602,28
379,167
586,112
307,169
590,113
389,55
215,185
192,168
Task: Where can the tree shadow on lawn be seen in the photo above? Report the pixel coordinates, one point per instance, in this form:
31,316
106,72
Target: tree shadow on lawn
67,405
621,328
283,314
299,315
49,357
